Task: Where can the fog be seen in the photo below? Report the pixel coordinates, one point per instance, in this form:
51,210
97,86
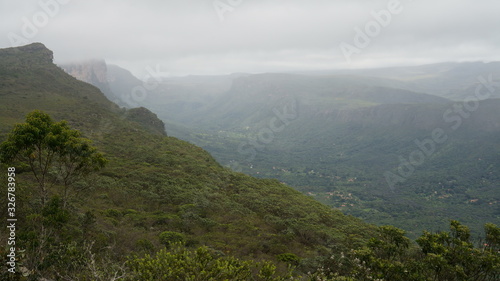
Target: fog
183,37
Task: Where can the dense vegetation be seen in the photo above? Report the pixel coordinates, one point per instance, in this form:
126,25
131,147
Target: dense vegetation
343,165
164,209
336,137
152,184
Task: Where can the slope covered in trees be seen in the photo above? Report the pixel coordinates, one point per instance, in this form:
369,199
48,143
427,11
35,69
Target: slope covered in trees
164,209
151,184
345,137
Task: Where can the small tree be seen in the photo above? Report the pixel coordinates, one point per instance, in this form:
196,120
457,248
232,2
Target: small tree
77,158
53,151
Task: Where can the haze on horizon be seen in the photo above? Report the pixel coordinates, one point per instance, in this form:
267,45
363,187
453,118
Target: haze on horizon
209,37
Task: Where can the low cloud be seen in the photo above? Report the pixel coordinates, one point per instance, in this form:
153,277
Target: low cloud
190,37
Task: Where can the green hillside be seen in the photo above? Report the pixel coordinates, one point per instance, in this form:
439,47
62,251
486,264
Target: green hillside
155,183
341,159
336,135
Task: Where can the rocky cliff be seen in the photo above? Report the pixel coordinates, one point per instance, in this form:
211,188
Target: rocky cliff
94,72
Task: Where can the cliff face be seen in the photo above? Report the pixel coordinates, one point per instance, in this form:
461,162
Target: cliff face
94,72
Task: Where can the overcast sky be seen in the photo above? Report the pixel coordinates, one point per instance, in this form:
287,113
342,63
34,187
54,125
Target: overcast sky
183,37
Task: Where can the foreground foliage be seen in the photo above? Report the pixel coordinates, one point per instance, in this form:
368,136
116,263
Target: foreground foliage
448,256
443,255
181,264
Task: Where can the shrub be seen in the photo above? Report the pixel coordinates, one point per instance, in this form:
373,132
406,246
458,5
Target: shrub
170,237
145,244
289,258
112,213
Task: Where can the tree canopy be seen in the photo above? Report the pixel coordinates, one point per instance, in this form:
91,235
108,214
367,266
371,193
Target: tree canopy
54,152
